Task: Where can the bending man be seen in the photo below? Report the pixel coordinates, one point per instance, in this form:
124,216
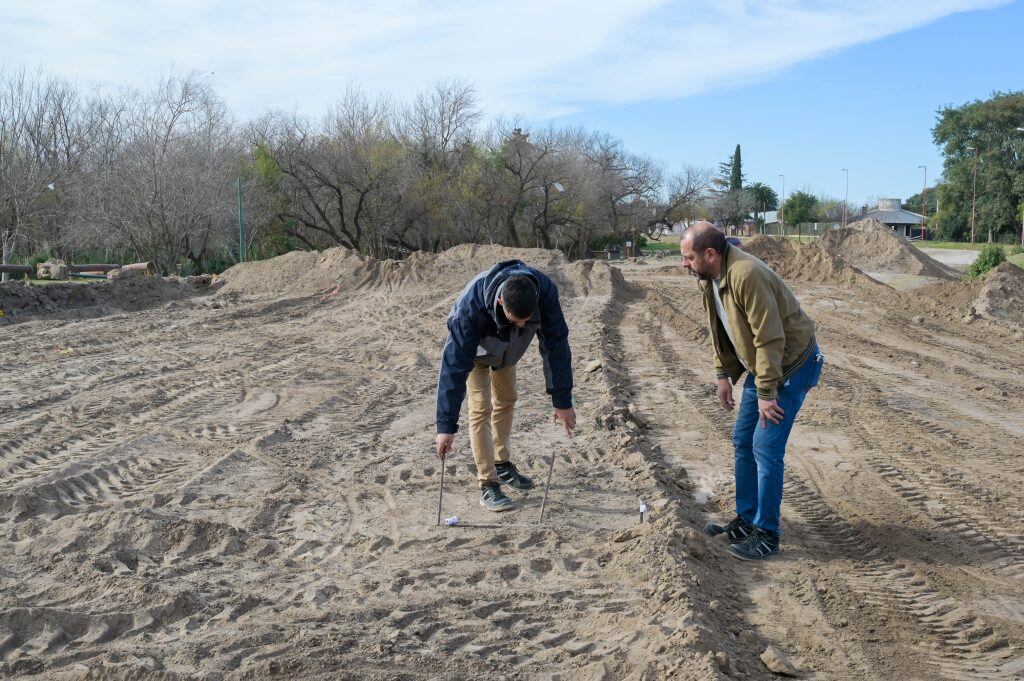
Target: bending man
757,328
490,328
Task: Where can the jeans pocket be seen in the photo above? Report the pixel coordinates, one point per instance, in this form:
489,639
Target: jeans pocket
814,374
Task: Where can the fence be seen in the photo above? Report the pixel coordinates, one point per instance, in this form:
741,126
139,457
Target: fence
804,231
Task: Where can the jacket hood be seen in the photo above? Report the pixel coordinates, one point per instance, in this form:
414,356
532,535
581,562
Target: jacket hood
498,275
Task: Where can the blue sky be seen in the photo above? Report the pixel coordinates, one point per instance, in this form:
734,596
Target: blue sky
806,87
869,108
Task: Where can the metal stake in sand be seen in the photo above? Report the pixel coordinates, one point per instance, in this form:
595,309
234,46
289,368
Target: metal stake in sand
551,468
440,495
544,501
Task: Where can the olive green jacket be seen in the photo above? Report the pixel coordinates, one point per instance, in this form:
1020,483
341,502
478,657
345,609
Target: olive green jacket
773,335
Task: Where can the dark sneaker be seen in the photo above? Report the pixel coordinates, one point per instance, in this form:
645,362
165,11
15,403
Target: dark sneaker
493,499
508,474
737,530
757,546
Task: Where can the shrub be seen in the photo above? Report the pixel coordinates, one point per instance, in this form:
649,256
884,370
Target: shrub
991,255
1017,250
602,242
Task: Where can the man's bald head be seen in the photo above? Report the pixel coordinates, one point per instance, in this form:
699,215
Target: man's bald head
702,246
704,235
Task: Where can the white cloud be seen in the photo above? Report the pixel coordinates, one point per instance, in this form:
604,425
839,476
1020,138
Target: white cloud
534,58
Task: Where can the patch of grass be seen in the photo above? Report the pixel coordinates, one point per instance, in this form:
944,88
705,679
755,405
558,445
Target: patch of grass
951,245
1013,252
662,245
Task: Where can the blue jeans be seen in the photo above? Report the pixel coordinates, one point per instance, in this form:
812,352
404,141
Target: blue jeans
760,451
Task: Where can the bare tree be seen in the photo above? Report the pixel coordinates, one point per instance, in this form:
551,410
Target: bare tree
166,190
687,191
152,175
439,131
341,175
43,138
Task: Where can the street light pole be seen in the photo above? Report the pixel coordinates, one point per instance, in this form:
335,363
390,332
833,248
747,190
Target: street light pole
846,199
974,192
241,228
782,209
924,206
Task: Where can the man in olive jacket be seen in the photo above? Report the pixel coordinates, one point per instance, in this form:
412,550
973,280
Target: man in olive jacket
757,328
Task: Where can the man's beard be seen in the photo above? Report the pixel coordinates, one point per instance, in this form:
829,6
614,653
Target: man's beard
698,275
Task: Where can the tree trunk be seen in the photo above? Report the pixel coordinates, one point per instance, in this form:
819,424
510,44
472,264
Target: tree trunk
8,243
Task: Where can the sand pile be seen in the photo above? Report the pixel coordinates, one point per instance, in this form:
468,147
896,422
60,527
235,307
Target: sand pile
18,300
296,273
806,262
304,273
1002,296
873,247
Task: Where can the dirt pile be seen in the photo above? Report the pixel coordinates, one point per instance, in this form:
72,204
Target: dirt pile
306,273
873,247
806,262
1002,297
19,301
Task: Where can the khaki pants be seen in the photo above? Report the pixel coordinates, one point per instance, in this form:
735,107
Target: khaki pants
492,401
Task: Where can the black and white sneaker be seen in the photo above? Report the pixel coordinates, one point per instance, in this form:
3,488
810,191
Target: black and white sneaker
737,530
508,474
757,546
493,499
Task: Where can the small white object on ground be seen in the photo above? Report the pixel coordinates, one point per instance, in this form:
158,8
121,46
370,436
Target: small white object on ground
454,520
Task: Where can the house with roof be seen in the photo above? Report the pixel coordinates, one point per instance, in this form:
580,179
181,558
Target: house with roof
889,213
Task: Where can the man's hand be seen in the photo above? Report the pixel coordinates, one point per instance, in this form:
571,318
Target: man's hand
444,444
770,410
725,394
567,417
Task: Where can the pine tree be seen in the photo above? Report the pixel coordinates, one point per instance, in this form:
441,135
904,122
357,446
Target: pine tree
736,171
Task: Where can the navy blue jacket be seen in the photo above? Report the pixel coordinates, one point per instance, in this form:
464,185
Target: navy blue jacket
478,332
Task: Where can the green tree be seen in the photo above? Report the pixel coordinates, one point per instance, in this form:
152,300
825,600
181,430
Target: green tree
764,199
800,207
731,204
913,202
730,174
736,171
982,132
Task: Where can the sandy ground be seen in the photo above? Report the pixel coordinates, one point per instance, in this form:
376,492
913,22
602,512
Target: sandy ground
901,280
242,486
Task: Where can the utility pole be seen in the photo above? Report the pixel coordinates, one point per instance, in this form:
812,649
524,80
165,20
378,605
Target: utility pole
782,208
924,206
846,199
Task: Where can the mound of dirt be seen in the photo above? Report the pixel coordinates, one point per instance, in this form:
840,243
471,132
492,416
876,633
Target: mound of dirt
305,273
1002,296
20,301
873,247
807,262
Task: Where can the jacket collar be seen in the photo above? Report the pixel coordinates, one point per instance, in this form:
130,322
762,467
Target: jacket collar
726,258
